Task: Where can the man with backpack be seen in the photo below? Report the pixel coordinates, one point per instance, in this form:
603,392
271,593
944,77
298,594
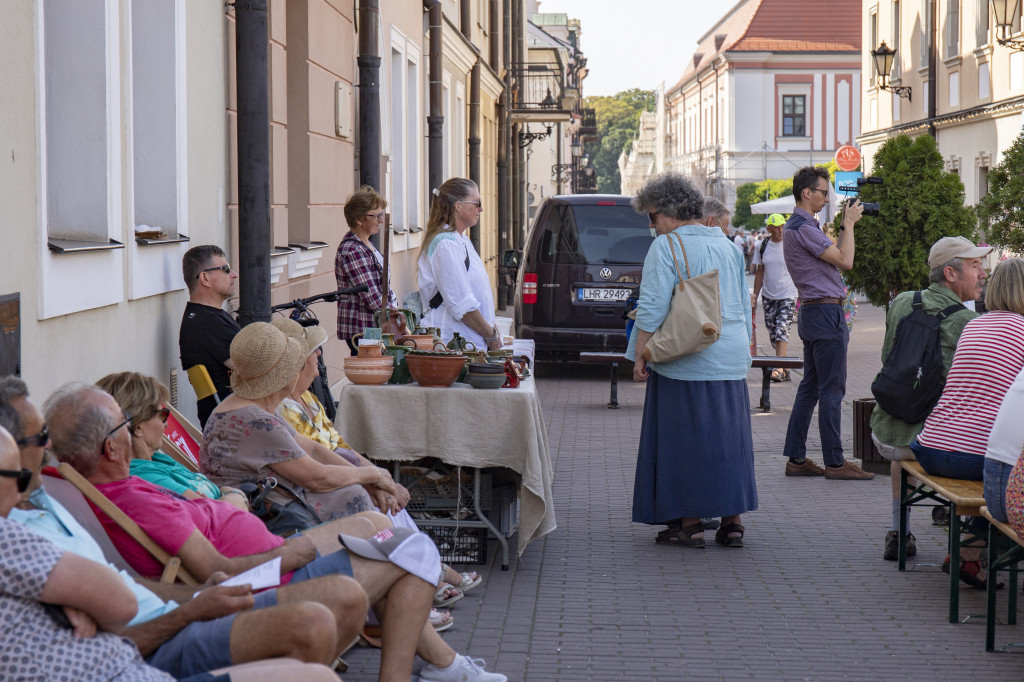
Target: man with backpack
772,281
921,332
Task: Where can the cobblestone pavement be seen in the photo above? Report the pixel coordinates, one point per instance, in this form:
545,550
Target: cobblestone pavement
808,598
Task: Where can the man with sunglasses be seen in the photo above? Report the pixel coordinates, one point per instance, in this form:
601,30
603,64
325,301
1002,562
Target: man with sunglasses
206,328
814,262
175,628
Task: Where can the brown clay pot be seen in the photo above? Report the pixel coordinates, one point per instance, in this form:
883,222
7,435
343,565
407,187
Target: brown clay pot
438,371
420,341
369,371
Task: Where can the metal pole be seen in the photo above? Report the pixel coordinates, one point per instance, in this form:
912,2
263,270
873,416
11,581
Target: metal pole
504,290
254,235
474,141
368,60
435,120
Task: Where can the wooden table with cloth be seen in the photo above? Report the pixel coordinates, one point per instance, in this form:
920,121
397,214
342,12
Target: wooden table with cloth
460,426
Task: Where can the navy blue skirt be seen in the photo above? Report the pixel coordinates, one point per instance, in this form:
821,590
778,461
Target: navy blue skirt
696,455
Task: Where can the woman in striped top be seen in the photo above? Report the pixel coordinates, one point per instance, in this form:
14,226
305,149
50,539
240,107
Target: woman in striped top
989,355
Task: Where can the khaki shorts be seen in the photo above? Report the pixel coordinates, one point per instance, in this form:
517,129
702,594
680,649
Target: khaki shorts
893,453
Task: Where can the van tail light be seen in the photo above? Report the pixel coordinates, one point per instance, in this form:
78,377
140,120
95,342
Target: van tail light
605,203
530,287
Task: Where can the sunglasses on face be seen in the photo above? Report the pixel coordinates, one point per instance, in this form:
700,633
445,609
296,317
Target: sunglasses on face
23,476
652,216
226,269
37,441
478,203
163,413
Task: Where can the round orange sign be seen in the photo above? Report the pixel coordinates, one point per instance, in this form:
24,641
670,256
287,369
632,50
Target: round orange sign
848,158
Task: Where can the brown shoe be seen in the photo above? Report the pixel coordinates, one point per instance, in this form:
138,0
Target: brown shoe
847,472
808,468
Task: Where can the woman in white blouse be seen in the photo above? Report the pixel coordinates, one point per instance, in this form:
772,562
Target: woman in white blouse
454,285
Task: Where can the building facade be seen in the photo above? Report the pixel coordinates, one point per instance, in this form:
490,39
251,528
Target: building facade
964,88
773,86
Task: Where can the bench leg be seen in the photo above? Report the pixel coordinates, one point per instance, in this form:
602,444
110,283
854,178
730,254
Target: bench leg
954,563
990,592
766,389
902,537
613,402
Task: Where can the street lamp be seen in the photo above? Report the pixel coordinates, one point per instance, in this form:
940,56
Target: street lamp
576,148
883,57
1005,12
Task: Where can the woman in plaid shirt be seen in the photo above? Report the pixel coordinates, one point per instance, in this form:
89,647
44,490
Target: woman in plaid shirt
358,262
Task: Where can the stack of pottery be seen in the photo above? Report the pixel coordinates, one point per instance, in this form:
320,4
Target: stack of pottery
435,368
485,375
370,367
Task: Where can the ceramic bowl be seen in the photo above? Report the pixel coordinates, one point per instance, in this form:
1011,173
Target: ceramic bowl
435,370
486,368
485,380
369,371
421,341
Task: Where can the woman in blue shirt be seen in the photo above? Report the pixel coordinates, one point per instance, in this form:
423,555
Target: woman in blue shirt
696,454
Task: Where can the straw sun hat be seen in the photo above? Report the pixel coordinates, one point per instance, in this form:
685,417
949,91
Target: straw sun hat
310,337
265,361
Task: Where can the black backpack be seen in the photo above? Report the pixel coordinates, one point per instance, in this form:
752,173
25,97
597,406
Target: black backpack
913,374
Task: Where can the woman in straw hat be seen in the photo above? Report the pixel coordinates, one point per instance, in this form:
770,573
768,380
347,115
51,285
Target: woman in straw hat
245,440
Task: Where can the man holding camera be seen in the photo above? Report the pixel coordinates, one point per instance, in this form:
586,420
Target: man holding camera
814,262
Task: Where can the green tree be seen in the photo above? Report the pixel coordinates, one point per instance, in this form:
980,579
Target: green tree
765,190
1002,207
920,203
618,119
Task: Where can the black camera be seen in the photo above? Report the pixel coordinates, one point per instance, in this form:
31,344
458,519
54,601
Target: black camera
870,208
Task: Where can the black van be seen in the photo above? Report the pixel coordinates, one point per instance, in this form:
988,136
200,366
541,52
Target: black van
583,259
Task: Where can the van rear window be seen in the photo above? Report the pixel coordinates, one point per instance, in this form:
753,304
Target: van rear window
595,235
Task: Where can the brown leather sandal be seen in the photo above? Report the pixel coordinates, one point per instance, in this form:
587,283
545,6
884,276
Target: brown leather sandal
722,536
678,534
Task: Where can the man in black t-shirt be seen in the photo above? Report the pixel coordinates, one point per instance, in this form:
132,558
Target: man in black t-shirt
206,329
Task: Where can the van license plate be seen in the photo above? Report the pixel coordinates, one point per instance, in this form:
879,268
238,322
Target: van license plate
603,294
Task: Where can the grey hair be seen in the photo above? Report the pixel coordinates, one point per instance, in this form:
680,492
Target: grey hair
714,207
12,388
78,426
671,194
938,275
10,419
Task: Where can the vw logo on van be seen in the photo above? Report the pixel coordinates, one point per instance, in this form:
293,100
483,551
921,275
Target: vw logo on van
605,273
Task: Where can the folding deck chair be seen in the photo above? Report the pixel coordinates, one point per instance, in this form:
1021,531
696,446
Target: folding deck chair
181,440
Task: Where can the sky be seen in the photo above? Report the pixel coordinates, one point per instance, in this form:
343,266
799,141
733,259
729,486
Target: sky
638,43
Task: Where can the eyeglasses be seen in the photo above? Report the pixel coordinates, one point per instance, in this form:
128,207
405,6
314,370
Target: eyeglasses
127,422
652,216
379,217
163,413
226,269
37,441
478,203
23,476
817,189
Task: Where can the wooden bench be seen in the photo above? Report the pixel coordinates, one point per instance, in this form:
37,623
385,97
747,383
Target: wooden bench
608,358
962,498
767,363
1005,561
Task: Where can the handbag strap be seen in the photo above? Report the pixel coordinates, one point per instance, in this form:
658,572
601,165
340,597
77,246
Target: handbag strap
686,261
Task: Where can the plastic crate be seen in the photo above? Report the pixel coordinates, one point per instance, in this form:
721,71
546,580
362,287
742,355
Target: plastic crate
457,545
443,495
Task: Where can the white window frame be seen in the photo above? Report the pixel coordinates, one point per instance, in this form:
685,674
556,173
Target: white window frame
406,181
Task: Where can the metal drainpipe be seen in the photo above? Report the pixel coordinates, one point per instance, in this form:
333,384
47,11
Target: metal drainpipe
435,120
474,140
518,157
368,60
933,58
495,57
504,290
465,19
254,235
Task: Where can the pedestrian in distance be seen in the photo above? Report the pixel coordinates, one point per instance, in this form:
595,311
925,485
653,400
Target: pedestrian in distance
695,456
778,293
814,263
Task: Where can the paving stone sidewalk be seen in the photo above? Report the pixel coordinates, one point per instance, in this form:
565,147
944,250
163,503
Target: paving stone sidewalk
808,598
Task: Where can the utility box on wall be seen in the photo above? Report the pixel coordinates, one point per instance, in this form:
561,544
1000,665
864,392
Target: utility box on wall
10,334
343,110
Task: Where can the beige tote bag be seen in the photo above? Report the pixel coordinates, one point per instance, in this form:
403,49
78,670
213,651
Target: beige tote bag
694,319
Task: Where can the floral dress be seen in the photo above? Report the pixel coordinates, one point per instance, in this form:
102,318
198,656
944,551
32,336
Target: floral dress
243,445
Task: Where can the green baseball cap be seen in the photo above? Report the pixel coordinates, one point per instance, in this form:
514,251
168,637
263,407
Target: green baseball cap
775,220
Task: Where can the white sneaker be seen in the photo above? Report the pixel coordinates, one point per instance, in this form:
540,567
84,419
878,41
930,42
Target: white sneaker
462,669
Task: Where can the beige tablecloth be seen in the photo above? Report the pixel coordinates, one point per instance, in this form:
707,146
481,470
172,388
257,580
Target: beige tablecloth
459,425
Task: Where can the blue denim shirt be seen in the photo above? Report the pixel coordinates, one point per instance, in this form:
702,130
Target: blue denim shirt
706,249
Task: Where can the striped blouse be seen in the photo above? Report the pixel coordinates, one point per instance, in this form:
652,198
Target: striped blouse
989,355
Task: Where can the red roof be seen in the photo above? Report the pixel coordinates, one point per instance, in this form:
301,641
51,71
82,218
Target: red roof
780,26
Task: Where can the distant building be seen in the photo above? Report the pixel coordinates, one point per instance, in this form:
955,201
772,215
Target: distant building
773,86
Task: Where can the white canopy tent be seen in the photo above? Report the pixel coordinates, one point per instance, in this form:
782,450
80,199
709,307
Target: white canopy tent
786,204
